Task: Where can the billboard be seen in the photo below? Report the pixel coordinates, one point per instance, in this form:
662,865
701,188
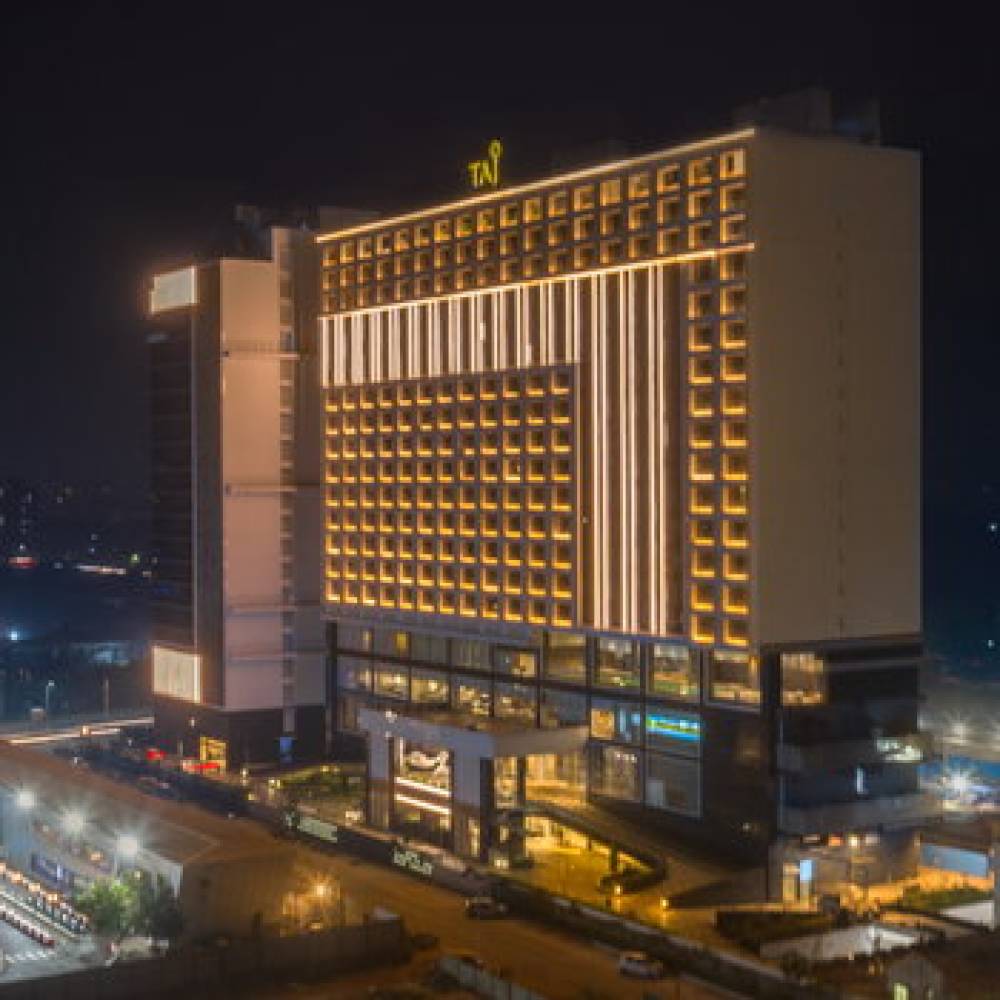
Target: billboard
174,290
176,674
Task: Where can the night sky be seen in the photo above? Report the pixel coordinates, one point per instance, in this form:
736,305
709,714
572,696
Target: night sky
130,131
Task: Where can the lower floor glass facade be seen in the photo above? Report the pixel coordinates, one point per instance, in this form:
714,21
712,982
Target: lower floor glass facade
712,736
644,747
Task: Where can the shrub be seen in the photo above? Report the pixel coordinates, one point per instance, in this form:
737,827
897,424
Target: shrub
754,928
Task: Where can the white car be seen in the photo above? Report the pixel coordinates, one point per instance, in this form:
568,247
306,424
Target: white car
639,965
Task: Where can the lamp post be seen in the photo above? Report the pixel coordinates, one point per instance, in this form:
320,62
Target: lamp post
49,685
126,849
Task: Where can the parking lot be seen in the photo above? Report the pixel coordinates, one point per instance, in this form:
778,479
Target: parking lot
23,958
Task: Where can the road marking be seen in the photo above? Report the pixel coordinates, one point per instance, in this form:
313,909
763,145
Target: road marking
30,956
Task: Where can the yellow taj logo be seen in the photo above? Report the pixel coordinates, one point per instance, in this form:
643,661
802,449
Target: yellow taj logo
486,173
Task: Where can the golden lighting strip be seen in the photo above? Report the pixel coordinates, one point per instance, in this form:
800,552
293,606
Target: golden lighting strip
638,397
522,189
677,258
429,806
421,787
455,343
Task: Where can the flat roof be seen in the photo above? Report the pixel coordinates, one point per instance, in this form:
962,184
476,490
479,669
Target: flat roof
737,135
177,832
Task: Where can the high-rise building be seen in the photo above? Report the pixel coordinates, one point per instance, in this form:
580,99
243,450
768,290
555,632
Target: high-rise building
238,657
606,487
636,449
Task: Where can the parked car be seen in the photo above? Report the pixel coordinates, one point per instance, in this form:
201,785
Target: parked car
484,908
473,961
639,965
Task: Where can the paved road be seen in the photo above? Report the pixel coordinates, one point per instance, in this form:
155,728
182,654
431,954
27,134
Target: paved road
557,965
24,959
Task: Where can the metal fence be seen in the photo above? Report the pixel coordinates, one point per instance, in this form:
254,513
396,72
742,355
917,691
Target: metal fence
485,983
217,971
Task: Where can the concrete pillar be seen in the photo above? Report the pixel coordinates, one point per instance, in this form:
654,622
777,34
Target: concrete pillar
487,807
994,856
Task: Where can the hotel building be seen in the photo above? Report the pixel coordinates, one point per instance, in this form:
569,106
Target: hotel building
636,449
600,488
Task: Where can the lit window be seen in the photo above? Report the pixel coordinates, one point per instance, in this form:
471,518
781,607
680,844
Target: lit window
617,664
673,672
734,678
803,679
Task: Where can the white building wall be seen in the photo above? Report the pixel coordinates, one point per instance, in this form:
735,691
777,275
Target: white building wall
251,457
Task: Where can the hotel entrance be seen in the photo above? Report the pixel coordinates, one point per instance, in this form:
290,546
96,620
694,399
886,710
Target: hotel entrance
465,782
422,791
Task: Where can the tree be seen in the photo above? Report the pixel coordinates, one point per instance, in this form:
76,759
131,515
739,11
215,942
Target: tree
111,906
158,912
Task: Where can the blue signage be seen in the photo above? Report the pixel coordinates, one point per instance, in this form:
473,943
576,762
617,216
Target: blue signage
675,727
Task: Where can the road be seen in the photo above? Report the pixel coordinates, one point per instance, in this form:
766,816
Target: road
556,965
25,959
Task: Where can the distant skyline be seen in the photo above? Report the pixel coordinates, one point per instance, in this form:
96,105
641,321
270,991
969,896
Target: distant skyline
132,132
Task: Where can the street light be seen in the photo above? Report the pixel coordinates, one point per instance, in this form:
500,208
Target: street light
25,799
49,685
73,822
959,782
956,726
128,847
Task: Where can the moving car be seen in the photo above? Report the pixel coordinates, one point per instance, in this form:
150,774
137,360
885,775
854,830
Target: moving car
484,908
639,965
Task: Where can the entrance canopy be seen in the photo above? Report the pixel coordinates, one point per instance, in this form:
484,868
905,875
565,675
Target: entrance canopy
471,736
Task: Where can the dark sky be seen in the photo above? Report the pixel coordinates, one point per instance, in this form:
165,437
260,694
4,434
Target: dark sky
130,130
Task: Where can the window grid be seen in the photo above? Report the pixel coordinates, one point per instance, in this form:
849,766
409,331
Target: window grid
717,534
655,209
454,496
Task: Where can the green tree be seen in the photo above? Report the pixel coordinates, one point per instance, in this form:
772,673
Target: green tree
158,911
111,905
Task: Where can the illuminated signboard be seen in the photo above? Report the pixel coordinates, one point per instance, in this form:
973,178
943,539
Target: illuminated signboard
674,727
412,861
899,751
486,173
174,290
318,828
176,674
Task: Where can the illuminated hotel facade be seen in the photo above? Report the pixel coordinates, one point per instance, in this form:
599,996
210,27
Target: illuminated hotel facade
629,455
636,448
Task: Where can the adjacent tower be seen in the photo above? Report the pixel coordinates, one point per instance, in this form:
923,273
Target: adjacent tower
238,660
